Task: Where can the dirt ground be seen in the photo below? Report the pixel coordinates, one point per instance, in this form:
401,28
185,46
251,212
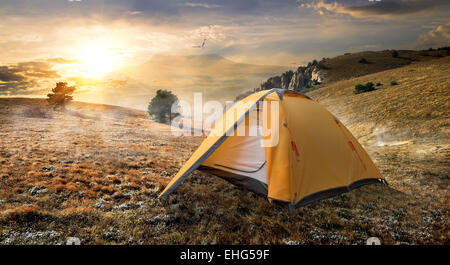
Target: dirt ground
94,172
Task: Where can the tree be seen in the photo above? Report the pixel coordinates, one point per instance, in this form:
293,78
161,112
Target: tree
160,107
61,94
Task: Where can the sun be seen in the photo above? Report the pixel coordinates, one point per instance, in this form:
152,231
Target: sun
95,62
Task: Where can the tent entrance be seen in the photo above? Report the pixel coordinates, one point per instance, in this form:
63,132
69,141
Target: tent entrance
242,159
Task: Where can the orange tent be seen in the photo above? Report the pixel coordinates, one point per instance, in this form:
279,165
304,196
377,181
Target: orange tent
305,155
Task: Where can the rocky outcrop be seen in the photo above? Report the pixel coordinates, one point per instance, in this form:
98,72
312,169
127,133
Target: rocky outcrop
306,77
286,79
303,79
318,75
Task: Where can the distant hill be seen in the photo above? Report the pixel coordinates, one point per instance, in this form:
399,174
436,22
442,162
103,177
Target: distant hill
328,70
417,108
349,65
216,77
38,108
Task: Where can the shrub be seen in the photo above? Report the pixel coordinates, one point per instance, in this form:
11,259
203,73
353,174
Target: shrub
363,61
370,86
394,83
395,54
379,84
360,88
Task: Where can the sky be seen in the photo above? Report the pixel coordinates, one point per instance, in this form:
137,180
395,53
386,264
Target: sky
43,41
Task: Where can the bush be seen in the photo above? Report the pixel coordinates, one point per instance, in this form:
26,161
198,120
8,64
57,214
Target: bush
395,54
394,83
359,88
363,61
370,86
379,84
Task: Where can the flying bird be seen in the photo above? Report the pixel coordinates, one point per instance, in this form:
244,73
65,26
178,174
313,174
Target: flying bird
200,46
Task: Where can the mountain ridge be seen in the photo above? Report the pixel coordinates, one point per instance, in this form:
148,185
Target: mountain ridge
316,73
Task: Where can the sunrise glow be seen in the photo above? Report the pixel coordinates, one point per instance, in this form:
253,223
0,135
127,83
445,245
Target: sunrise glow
96,61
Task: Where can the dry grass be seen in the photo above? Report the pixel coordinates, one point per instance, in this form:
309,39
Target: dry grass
348,66
95,171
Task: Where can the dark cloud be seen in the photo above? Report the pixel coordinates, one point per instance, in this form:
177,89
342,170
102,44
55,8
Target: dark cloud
25,87
386,8
25,77
165,10
174,10
10,74
230,7
36,69
399,6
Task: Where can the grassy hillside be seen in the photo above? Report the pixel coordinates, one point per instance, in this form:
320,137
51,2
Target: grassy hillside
416,108
404,127
94,172
344,67
349,66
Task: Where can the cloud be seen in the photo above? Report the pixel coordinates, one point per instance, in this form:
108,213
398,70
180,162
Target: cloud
26,77
60,60
438,37
381,9
133,13
8,74
18,88
36,69
203,5
211,32
168,11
